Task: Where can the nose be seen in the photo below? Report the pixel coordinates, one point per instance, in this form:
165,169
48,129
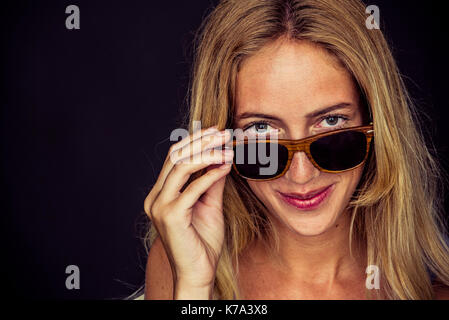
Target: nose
301,170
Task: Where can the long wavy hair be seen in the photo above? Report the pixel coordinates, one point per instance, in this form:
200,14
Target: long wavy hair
397,212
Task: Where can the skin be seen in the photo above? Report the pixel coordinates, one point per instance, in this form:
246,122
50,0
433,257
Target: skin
284,83
287,81
190,223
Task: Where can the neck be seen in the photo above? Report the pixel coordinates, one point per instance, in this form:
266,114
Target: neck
323,258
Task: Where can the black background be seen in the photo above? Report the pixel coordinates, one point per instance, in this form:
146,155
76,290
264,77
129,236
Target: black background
85,120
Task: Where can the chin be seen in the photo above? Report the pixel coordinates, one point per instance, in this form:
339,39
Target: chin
310,226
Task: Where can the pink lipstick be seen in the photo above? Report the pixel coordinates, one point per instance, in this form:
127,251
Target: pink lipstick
310,201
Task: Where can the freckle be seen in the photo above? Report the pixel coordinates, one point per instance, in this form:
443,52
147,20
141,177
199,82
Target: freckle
336,226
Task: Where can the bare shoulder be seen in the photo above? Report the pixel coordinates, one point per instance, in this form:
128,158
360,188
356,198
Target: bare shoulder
158,277
441,291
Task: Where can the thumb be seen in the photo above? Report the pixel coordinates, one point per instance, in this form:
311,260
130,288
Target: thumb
213,197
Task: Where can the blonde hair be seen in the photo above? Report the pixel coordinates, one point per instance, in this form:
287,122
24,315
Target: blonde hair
396,211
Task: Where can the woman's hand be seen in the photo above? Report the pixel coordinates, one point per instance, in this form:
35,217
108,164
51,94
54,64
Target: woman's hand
190,223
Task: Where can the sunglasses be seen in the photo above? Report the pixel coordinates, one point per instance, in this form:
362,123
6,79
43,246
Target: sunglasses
336,151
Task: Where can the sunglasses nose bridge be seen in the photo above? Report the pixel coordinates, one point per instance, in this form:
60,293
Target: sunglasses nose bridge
296,147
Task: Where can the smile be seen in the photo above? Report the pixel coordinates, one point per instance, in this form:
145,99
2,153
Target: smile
310,203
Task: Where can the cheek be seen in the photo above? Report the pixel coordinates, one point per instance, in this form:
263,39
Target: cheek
261,189
348,182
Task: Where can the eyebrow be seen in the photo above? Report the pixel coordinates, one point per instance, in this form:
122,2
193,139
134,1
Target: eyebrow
313,114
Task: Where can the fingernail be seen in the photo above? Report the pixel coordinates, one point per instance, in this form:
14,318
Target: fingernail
226,134
211,129
220,133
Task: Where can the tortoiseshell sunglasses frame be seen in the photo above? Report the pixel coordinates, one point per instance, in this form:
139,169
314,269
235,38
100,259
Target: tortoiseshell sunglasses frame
304,146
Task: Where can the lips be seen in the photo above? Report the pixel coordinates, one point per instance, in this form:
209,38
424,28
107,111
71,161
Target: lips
304,196
307,201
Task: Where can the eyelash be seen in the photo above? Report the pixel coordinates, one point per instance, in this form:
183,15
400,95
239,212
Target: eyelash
249,125
340,116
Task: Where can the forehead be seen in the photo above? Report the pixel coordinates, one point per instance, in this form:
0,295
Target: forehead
294,78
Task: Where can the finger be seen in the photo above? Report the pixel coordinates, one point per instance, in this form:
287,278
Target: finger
194,136
213,197
198,187
168,165
182,171
199,145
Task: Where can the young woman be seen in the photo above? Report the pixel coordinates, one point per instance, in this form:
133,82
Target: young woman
355,185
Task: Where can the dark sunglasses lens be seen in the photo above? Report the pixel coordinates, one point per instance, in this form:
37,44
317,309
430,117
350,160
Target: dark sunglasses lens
340,151
260,160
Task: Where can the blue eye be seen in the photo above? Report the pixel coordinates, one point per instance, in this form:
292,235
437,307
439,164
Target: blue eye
259,127
332,121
